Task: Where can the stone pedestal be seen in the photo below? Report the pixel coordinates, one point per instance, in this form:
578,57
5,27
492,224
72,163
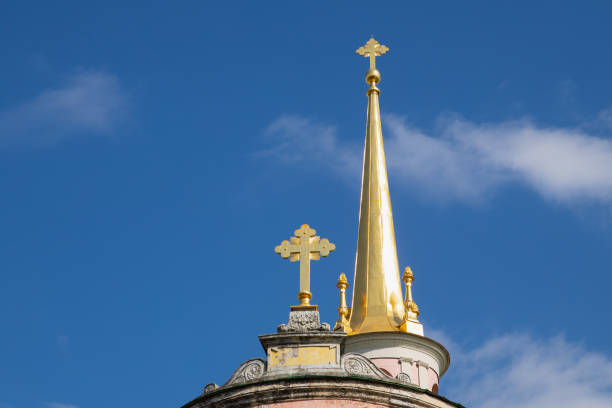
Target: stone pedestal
303,319
303,345
301,353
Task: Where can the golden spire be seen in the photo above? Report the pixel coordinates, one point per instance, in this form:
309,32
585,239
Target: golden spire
377,293
343,311
304,247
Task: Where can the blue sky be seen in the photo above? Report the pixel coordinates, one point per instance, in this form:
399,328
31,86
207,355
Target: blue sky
153,154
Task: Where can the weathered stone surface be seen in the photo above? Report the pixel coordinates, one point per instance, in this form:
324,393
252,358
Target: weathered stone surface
302,353
250,370
325,389
289,338
303,321
322,403
403,377
356,364
210,387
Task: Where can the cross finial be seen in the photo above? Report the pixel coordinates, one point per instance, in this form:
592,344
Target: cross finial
412,309
304,247
372,49
343,311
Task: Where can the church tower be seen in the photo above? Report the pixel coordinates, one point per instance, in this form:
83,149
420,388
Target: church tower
376,355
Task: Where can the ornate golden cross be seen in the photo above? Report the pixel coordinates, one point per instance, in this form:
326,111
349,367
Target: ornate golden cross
372,49
304,247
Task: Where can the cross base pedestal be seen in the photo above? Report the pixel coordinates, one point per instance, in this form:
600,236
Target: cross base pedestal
304,319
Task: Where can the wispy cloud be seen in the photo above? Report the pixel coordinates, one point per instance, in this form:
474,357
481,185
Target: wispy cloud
295,139
60,405
89,102
463,160
604,118
520,371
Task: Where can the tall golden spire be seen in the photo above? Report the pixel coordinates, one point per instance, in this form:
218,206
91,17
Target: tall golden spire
377,293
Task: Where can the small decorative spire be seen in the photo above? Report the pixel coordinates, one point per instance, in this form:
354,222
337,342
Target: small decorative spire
304,247
412,310
343,311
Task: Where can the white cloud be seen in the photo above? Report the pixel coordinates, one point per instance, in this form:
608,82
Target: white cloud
295,140
463,160
519,371
561,164
89,102
437,165
60,405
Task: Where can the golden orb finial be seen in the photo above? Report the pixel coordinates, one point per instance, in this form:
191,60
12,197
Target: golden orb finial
408,275
342,282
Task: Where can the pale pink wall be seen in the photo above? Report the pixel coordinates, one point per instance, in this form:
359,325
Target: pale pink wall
433,378
323,403
392,365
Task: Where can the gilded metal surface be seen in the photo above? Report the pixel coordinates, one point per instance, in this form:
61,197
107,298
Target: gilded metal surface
343,311
377,293
412,310
372,49
304,247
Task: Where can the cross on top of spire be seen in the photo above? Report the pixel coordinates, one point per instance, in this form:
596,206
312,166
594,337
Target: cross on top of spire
372,49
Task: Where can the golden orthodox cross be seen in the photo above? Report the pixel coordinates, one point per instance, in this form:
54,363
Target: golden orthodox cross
372,49
304,247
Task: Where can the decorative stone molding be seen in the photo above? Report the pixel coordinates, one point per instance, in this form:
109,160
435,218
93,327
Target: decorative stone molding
403,377
368,391
250,370
210,387
351,365
356,364
303,321
422,364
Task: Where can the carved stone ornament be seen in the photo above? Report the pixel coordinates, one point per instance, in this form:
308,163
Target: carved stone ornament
303,321
250,370
403,377
210,387
356,364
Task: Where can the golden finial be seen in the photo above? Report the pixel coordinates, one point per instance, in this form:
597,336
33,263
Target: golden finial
412,310
343,311
377,290
372,49
304,247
